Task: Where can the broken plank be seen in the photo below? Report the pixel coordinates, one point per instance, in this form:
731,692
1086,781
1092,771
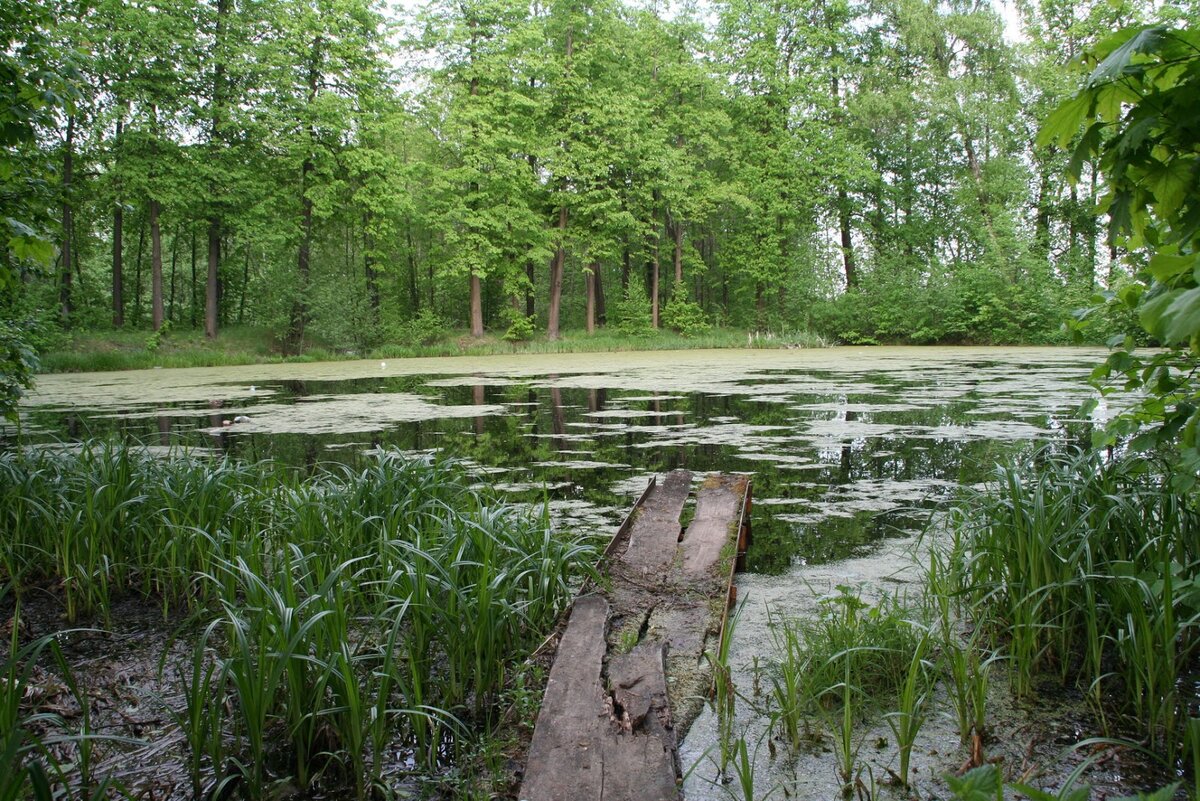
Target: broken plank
654,534
631,668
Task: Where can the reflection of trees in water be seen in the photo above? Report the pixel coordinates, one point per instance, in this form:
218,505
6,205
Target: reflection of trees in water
557,419
478,398
537,434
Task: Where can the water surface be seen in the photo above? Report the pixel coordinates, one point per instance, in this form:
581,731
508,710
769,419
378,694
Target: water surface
847,446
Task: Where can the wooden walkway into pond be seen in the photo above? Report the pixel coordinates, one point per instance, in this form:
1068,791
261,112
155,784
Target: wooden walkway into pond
630,673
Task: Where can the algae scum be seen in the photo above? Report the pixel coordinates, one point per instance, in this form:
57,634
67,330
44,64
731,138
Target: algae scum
847,446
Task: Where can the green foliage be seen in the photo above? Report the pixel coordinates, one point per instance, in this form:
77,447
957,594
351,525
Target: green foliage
985,783
35,83
154,341
980,784
424,329
1090,568
682,315
976,305
18,363
853,651
521,327
633,312
340,208
346,609
1136,108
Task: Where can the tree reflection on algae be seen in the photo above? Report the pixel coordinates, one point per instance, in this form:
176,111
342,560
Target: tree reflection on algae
840,459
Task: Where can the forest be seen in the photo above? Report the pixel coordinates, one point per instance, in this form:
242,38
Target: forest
336,177
344,173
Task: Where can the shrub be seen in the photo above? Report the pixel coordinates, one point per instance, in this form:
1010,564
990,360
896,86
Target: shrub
424,329
520,327
682,315
154,341
633,312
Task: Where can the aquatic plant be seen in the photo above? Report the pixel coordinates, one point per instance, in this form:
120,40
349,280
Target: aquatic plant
876,642
1090,569
914,692
827,668
968,667
725,694
346,609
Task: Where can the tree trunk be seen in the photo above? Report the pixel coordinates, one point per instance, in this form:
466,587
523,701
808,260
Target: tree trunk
476,305
174,264
372,274
601,305
847,241
137,272
1073,231
414,298
1092,230
65,301
654,271
677,256
156,272
212,297
245,286
556,277
294,342
192,316
589,280
530,274
211,294
1042,223
118,255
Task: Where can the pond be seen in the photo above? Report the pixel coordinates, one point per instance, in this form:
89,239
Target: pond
849,448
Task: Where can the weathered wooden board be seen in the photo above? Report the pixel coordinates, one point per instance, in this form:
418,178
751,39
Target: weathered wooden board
566,741
630,666
655,532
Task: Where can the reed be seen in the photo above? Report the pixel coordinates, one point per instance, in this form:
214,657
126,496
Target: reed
200,720
341,611
808,676
913,698
20,747
1089,571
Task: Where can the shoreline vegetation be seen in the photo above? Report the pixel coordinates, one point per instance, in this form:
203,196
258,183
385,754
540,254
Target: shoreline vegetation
121,350
331,631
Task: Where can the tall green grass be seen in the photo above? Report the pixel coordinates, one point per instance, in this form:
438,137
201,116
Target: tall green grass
350,612
1088,570
115,350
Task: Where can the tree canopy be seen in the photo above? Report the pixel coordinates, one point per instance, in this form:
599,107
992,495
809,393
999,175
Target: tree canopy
332,173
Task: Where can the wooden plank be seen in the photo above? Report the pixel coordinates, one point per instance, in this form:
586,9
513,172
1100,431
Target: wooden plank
566,757
654,534
622,536
717,511
639,753
630,672
619,540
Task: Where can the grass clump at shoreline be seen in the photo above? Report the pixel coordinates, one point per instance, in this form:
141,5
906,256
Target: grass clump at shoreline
130,350
1088,570
1067,571
1084,572
340,615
